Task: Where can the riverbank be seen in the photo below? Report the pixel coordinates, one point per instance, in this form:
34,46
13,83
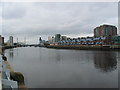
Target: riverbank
77,47
85,47
8,47
15,76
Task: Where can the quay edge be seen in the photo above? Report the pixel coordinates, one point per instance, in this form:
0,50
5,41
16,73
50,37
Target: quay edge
85,47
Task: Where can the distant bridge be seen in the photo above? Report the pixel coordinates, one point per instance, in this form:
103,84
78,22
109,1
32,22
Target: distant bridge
31,45
27,45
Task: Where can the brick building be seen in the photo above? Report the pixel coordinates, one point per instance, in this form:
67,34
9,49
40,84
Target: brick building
105,30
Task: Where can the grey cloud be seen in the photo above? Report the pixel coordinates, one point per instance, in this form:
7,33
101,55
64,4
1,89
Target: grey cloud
13,11
50,18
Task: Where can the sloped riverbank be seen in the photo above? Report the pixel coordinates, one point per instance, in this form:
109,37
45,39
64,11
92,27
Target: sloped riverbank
15,76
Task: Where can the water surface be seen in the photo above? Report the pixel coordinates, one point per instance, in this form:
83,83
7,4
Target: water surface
60,68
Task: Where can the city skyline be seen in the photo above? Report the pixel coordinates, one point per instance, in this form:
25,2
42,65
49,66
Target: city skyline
36,20
101,32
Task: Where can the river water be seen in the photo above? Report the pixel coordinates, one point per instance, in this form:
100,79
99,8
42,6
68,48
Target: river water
62,68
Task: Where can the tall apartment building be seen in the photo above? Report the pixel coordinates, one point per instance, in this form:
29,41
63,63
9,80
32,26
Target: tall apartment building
1,40
41,42
53,39
11,40
105,30
57,37
50,39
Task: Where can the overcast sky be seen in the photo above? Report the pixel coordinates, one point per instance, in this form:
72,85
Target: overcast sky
36,19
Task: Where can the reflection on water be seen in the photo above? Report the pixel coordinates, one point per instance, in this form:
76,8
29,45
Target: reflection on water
107,62
60,68
11,53
57,56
